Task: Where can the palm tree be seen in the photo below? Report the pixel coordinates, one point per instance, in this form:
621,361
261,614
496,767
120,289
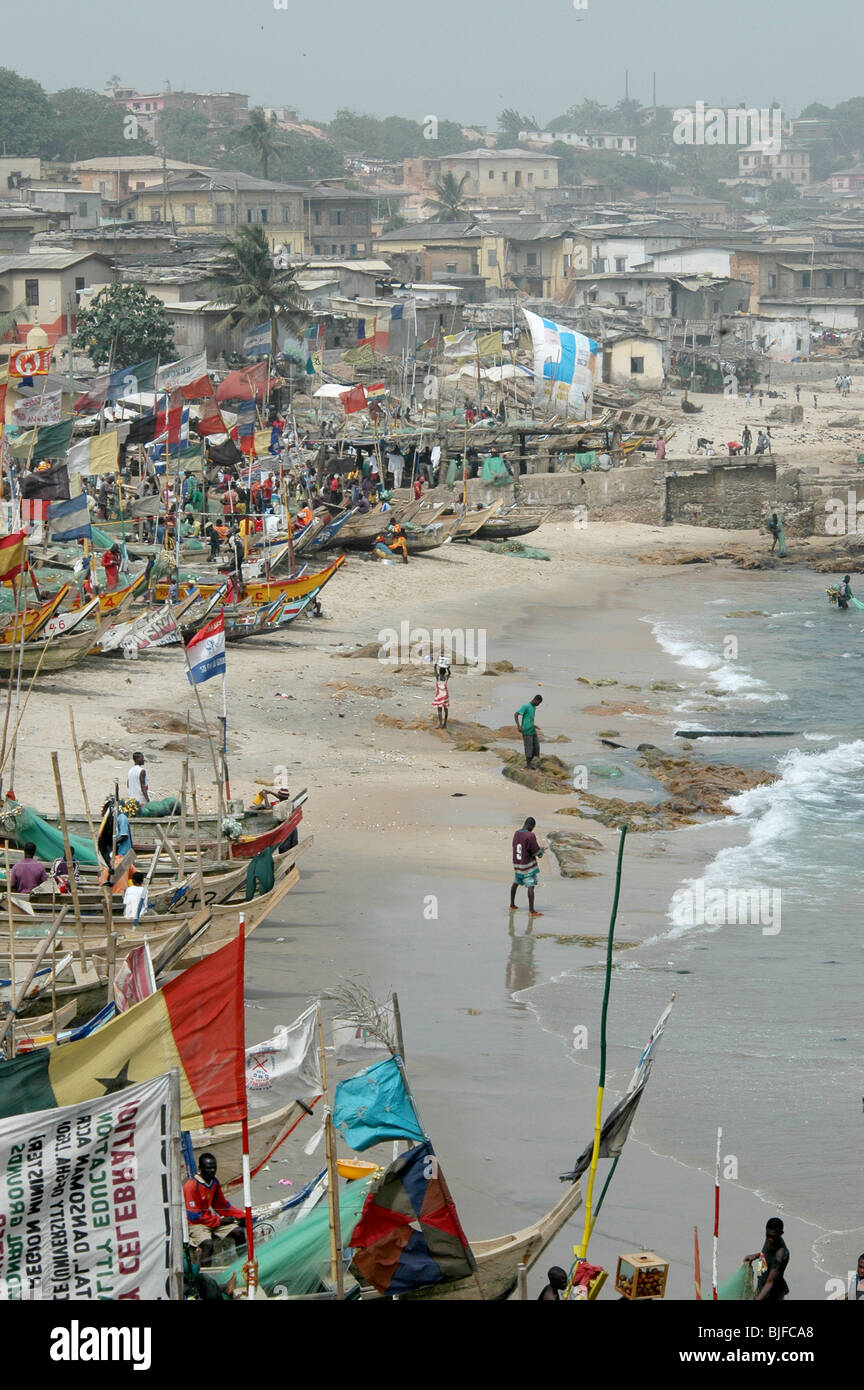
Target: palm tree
448,204
250,282
261,135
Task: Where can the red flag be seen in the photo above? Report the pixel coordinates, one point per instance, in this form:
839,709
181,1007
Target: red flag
210,421
12,555
354,400
199,389
247,384
30,362
169,416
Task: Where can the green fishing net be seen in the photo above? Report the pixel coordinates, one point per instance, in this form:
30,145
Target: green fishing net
296,1260
22,825
738,1287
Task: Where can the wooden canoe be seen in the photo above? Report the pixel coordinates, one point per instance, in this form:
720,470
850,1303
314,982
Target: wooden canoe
32,620
472,521
519,522
113,599
264,591
61,624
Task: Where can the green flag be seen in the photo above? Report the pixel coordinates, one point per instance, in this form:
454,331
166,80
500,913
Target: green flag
48,441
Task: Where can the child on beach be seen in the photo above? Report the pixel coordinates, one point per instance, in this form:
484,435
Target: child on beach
441,702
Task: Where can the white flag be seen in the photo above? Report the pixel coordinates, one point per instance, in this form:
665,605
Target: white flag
38,410
182,372
289,1061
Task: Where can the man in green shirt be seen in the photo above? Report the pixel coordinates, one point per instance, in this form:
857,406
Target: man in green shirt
524,718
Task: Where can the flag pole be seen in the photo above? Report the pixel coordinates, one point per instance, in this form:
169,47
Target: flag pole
251,1267
581,1250
11,944
716,1217
337,1273
697,1263
225,735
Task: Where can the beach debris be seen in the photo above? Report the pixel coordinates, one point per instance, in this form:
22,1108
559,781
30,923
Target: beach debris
608,733
569,850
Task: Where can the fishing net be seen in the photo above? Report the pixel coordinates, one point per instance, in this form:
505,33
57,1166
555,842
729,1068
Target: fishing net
22,825
524,552
298,1260
167,806
738,1287
494,471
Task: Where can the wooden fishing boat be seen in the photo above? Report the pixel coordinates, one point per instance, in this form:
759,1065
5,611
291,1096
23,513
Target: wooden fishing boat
114,599
63,623
264,591
32,620
304,538
38,1030
56,654
330,532
363,528
519,522
431,537
498,1260
472,521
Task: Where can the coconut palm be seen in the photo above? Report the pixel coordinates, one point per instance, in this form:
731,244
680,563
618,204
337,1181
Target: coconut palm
261,135
257,291
448,204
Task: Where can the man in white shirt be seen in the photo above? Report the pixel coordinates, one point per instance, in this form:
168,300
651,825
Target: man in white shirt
136,780
396,464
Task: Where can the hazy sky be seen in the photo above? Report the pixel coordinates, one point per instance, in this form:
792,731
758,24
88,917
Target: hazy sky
457,59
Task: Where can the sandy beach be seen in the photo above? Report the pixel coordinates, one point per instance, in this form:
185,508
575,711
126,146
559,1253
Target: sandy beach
402,817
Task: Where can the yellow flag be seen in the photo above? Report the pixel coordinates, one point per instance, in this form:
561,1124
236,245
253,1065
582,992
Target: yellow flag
490,345
103,453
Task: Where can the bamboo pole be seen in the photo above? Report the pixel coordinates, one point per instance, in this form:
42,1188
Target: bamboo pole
716,1217
337,1275
11,746
11,940
183,783
581,1250
108,910
67,850
22,993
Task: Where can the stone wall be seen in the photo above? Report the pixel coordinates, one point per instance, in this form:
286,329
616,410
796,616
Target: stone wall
729,495
621,494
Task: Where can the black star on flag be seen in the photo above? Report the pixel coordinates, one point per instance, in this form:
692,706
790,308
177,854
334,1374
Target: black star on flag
118,1082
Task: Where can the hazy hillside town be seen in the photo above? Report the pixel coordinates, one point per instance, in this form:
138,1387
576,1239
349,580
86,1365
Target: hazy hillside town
397,514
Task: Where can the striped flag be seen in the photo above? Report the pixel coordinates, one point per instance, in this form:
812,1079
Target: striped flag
11,555
70,521
205,652
376,391
194,1023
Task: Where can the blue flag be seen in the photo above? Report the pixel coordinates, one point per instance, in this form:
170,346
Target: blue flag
374,1106
70,521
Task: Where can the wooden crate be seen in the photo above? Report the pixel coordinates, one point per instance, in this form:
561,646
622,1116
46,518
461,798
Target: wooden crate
641,1275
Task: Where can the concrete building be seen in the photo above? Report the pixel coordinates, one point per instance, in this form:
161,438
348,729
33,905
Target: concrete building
848,180
634,360
82,207
489,258
220,108
220,202
116,178
16,171
48,285
763,166
493,174
338,221
595,140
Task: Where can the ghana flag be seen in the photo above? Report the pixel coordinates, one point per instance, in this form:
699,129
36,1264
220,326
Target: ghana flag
409,1235
194,1023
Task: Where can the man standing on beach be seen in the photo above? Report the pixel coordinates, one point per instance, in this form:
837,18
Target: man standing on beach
530,741
771,1287
136,780
526,866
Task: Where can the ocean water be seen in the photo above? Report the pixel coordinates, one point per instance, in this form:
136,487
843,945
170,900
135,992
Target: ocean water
766,1037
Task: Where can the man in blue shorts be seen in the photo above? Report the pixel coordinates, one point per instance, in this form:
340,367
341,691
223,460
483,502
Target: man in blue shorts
526,867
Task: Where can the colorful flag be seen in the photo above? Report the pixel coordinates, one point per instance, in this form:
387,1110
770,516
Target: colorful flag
317,360
353,400
99,1176
409,1234
374,1106
11,555
195,1023
118,385
206,651
397,312
30,362
377,391
248,383
291,1057
69,521
38,410
210,420
314,332
565,365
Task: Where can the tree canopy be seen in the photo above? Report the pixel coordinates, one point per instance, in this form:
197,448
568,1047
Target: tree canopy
25,115
123,324
255,289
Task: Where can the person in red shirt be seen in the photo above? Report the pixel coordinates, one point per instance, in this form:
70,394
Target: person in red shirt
111,566
418,489
526,867
208,1211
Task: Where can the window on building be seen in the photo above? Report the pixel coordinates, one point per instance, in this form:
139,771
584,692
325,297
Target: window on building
341,249
545,173
504,176
265,214
492,258
592,297
621,298
358,216
337,217
82,209
530,178
451,267
531,258
353,248
637,366
805,280
715,307
829,280
317,218
517,178
189,213
79,283
139,186
491,173
772,282
620,262
250,217
317,249
155,215
31,294
286,212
